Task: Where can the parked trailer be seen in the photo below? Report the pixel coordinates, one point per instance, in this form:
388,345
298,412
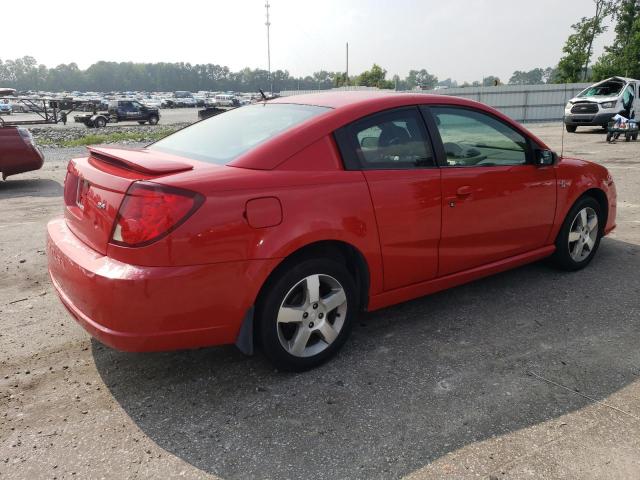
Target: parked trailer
50,111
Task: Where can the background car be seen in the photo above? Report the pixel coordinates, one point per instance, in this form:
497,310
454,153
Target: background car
5,107
18,152
278,222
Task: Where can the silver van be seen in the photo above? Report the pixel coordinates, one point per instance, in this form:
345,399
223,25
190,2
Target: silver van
597,104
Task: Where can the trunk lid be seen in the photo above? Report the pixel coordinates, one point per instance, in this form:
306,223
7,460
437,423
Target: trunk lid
96,186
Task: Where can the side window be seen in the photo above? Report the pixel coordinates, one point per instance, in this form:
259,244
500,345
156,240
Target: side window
394,140
473,138
627,97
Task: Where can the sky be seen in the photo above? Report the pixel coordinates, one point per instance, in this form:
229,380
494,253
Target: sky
464,39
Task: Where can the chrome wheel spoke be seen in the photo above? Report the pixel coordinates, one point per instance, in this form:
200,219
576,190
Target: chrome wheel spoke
590,242
334,300
299,341
583,217
577,250
290,314
313,288
328,333
574,236
592,224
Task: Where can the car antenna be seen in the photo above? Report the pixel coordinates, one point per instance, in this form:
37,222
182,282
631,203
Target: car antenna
563,124
264,97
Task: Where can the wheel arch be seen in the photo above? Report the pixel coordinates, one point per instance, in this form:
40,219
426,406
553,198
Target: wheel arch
601,197
342,251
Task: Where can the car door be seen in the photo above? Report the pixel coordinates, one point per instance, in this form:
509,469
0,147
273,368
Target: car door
496,202
396,158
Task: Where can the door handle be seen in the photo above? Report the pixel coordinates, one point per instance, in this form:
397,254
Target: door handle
464,191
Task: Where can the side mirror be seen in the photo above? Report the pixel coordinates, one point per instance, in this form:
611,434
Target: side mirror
545,158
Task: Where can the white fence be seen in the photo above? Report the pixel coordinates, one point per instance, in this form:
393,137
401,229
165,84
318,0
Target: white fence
523,103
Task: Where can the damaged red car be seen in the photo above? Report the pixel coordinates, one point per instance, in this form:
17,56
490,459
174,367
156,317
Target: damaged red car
275,224
18,152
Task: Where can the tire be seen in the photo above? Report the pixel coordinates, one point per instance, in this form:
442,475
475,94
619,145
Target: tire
99,122
609,137
568,255
571,128
287,310
153,120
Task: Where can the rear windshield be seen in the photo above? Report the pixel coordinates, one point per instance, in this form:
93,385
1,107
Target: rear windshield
224,137
606,89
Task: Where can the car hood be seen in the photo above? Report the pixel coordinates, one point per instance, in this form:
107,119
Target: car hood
594,99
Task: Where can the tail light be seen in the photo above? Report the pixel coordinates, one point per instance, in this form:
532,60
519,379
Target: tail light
150,212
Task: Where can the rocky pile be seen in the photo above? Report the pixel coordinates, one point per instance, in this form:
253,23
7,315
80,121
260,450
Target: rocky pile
120,134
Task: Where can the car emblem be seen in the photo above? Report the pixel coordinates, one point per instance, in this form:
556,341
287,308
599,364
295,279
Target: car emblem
102,205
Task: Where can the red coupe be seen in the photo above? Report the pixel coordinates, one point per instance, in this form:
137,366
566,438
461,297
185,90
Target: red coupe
18,152
277,223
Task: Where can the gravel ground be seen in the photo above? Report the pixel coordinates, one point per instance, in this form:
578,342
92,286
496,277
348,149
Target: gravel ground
454,385
56,137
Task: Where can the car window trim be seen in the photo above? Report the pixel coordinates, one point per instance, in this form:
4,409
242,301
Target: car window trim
345,139
441,155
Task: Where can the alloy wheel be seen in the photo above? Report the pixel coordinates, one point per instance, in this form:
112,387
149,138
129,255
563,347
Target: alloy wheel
311,315
583,234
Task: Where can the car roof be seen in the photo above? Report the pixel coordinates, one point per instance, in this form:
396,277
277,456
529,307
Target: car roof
338,99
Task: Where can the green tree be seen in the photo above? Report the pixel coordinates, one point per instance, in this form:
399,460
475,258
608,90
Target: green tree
578,49
421,79
376,77
623,56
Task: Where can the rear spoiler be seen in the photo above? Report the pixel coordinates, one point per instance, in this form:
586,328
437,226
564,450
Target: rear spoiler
143,161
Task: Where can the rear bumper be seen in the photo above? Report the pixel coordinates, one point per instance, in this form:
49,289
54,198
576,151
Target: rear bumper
588,119
135,308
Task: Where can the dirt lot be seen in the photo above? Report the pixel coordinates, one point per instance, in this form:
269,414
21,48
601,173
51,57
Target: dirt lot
533,373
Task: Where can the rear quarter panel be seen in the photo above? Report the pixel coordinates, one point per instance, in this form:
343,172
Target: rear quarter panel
320,201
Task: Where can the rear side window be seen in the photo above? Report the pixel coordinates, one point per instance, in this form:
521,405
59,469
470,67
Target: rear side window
223,138
472,138
393,140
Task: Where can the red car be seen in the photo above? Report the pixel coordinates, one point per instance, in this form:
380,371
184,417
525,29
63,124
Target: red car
277,223
18,152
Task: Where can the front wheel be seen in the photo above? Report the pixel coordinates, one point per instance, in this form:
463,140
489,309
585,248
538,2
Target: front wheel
571,128
306,312
153,120
580,235
100,122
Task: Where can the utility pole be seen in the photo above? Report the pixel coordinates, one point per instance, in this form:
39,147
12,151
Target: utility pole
268,24
346,80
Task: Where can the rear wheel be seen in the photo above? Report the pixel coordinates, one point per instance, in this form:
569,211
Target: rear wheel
571,128
153,120
306,312
580,235
100,122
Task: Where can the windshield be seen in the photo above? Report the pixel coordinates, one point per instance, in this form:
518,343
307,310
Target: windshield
228,135
606,89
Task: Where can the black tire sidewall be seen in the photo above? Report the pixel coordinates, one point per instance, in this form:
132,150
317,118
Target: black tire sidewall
562,255
272,297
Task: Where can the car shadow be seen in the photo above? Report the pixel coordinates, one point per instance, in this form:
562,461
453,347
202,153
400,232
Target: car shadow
414,382
591,131
38,187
